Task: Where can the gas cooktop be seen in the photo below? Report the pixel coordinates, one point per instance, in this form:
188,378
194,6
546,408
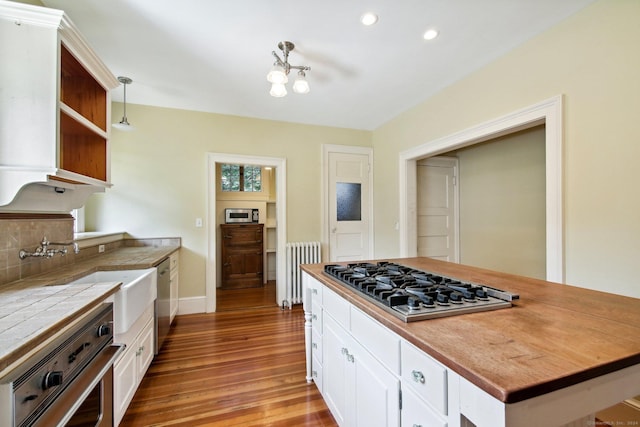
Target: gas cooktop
412,294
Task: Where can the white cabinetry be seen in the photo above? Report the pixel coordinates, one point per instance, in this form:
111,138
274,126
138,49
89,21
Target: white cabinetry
362,368
55,110
130,368
359,387
174,261
424,389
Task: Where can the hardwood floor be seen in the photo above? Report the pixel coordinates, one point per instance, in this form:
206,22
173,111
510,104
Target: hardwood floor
240,299
231,368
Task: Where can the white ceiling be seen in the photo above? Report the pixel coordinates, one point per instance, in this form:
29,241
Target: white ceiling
214,55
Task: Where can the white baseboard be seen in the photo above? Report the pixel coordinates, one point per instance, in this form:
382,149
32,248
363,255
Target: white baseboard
192,305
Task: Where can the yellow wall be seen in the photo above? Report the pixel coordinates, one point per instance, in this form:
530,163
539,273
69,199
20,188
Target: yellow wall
592,59
159,172
502,204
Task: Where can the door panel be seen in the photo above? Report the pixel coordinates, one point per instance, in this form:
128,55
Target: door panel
349,206
437,208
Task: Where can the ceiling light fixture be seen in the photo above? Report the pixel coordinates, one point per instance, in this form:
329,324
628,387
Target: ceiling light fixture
124,123
278,76
369,18
430,34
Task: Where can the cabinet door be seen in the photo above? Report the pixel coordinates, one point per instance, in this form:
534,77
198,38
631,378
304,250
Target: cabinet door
145,349
125,382
375,391
335,370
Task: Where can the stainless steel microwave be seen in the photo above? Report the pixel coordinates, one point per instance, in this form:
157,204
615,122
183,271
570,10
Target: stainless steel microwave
241,215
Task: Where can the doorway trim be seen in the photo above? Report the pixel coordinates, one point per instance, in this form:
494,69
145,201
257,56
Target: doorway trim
281,220
547,112
326,233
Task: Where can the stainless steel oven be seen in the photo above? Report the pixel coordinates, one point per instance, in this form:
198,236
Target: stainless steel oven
67,383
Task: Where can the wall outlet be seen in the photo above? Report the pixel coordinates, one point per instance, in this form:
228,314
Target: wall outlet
100,249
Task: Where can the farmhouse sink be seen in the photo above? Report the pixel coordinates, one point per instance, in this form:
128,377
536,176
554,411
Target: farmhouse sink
138,290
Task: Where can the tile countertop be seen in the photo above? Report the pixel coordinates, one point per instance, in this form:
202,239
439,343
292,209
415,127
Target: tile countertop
34,309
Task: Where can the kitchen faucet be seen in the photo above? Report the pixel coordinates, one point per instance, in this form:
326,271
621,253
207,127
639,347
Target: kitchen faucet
44,251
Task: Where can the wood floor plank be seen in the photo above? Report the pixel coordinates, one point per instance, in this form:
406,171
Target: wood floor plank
231,368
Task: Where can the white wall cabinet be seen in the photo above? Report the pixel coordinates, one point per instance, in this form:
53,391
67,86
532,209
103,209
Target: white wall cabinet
130,368
174,261
55,110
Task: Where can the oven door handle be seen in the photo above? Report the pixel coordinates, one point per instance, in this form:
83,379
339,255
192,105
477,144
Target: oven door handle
103,361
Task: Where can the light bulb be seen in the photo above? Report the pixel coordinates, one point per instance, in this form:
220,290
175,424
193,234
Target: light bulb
278,90
301,85
277,75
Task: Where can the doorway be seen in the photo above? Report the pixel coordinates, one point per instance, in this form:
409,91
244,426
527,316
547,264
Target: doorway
214,219
547,113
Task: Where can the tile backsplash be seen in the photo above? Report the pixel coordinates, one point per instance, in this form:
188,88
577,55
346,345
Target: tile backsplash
17,234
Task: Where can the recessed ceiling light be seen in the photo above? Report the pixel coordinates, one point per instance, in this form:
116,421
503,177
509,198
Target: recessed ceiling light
369,18
430,34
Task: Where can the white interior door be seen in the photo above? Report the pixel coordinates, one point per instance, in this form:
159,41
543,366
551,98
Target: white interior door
349,206
437,208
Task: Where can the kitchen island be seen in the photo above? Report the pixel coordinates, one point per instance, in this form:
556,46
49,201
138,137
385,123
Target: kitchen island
559,354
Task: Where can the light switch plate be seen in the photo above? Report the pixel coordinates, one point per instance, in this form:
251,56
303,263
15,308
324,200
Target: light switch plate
198,222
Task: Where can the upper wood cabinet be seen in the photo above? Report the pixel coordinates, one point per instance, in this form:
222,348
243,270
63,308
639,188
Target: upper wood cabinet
55,112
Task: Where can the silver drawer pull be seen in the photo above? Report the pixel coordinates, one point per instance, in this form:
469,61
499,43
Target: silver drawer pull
418,377
344,350
314,345
417,425
314,317
314,374
314,291
350,358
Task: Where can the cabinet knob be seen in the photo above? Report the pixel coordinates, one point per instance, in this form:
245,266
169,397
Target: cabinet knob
417,425
344,350
314,291
418,377
314,317
314,345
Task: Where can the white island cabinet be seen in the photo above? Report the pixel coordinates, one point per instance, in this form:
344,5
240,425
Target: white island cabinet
55,112
370,375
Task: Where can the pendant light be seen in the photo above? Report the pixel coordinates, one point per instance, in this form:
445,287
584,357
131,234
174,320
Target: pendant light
278,76
124,123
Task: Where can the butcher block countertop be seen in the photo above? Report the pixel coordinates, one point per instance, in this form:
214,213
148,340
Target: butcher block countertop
554,336
34,309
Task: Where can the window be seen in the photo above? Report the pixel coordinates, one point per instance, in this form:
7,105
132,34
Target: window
241,178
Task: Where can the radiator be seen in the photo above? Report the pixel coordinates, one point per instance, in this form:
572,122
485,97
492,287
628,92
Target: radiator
298,253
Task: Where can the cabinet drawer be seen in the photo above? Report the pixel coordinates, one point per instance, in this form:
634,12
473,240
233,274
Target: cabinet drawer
316,316
425,376
383,344
316,344
416,413
315,290
316,373
336,306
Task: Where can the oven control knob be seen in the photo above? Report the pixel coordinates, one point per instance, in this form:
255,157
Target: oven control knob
104,330
51,379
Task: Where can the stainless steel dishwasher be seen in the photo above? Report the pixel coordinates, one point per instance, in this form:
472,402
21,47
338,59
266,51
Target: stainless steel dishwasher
163,310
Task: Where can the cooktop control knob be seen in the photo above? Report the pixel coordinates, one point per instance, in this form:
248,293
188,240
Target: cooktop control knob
51,379
104,330
413,303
